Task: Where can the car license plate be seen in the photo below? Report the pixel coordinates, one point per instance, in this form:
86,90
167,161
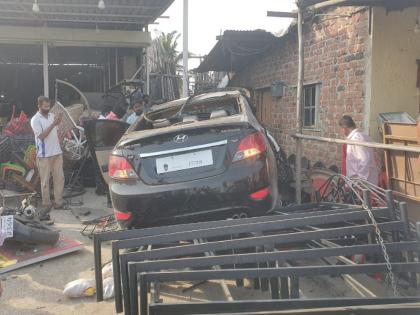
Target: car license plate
184,161
6,227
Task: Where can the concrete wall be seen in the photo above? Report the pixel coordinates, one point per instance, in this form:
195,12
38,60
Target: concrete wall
337,52
395,49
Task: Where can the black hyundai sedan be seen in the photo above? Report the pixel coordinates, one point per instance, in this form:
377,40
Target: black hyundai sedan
196,159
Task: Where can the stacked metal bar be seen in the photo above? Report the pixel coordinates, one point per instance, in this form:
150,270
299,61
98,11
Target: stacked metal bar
254,248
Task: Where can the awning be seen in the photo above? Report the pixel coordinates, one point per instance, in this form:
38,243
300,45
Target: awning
73,37
79,22
236,49
117,14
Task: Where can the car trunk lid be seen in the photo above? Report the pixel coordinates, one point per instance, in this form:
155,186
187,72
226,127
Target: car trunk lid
189,154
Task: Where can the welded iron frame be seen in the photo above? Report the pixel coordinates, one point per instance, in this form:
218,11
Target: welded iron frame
234,227
131,267
237,307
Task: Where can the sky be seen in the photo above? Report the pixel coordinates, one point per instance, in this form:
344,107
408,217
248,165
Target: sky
209,18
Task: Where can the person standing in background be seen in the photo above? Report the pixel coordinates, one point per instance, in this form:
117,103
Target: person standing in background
360,161
49,155
137,111
117,113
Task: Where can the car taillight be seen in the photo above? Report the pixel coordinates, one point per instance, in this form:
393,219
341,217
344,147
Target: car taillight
260,194
122,216
120,168
250,146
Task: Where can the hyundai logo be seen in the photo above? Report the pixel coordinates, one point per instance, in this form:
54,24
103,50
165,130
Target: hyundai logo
180,138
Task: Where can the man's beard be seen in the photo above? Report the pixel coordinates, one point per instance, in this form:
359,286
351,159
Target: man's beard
45,111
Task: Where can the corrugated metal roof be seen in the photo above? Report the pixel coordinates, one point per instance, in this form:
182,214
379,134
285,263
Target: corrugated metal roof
236,49
223,58
390,4
118,14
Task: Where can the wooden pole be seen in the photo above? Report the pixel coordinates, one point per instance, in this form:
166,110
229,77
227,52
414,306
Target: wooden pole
299,100
292,15
329,3
374,145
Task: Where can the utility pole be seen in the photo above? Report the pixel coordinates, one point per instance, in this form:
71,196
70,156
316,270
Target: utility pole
299,101
185,84
299,94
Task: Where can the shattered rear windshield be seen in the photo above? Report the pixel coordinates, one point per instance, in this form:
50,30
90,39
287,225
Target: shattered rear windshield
193,112
205,110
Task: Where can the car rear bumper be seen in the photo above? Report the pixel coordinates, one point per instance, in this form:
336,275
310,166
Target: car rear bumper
207,199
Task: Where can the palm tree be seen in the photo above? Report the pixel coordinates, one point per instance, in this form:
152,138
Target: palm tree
164,59
169,43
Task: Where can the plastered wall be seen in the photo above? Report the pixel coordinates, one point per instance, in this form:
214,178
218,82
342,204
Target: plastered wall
395,49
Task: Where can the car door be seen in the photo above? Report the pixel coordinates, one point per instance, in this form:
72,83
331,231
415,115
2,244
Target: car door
102,135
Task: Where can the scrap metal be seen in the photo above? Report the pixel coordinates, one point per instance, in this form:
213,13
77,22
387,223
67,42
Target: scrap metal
263,237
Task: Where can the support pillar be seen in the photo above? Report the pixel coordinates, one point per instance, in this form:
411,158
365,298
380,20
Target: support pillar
146,64
109,67
185,85
116,66
45,69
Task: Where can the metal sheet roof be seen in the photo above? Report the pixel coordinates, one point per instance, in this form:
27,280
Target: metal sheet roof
236,49
390,4
117,15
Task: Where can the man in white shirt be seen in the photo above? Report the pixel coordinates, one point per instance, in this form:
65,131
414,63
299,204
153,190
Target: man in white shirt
360,161
49,155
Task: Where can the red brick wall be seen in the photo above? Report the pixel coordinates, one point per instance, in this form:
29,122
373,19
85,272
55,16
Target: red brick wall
336,55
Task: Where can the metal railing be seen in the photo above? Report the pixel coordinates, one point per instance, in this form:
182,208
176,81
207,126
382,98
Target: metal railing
300,137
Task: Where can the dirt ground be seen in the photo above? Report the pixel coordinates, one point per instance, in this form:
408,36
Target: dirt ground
37,289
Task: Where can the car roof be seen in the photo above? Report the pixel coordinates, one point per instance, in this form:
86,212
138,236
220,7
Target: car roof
137,135
198,98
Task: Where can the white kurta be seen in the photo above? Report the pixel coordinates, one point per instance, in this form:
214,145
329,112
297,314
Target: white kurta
361,160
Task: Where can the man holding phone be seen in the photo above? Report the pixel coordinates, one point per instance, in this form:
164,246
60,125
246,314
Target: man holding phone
49,155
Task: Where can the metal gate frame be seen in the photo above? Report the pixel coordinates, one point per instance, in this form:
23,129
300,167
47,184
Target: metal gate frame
328,219
252,225
100,238
146,278
273,305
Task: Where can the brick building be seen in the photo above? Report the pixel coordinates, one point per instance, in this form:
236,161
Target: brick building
359,61
335,80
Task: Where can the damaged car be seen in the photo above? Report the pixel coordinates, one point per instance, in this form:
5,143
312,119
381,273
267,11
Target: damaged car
201,158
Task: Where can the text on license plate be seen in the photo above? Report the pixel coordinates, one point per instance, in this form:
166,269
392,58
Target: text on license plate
6,226
184,161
